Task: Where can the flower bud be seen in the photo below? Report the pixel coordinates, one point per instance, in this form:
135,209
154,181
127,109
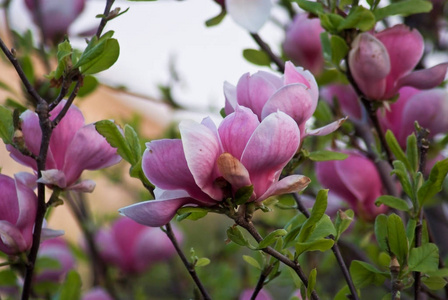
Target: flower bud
97,293
58,250
262,295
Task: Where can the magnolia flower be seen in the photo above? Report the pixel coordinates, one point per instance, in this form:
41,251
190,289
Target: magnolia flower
249,14
74,147
296,94
97,293
58,250
56,16
133,247
429,108
346,97
302,43
354,180
382,63
210,164
18,205
262,295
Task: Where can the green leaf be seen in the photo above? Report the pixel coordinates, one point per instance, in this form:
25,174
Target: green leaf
400,171
381,232
71,288
115,138
64,54
202,262
252,261
99,55
343,221
324,228
89,85
360,18
311,283
339,49
403,8
398,242
235,235
310,6
8,278
412,152
393,202
424,258
342,294
243,194
293,227
257,57
434,183
325,155
216,20
321,245
326,46
6,125
434,282
191,213
331,22
133,142
410,230
364,274
28,68
271,238
396,149
317,213
47,263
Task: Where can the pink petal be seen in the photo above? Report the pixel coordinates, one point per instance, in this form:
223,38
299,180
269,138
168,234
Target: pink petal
202,148
369,64
231,99
270,148
48,233
154,213
11,239
64,132
53,177
346,97
27,202
9,206
299,75
85,186
253,91
294,100
424,79
289,184
251,15
165,166
327,129
236,130
405,48
88,151
97,294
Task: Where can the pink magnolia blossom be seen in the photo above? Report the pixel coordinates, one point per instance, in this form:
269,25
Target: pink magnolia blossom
347,99
262,295
429,108
354,180
296,94
97,293
74,147
57,16
133,247
58,250
382,63
302,43
249,14
210,164
18,205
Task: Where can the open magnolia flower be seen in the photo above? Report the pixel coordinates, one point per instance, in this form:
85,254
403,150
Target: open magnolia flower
250,15
210,164
383,63
296,94
74,147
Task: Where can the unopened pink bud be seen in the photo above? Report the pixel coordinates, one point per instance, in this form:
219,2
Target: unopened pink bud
58,250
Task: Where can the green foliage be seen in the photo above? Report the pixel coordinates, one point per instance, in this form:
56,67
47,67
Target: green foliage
202,262
393,202
64,55
243,194
321,245
71,288
403,8
424,258
216,20
271,238
396,149
343,221
6,125
311,283
396,236
434,183
434,282
235,235
317,213
99,55
89,84
310,6
257,57
412,153
360,18
381,232
364,274
191,213
325,155
339,49
252,261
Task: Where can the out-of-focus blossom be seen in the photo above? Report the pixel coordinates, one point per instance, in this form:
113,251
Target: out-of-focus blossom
429,108
133,247
251,15
18,205
354,180
74,147
262,295
346,97
210,164
97,293
58,250
302,43
56,16
296,94
383,63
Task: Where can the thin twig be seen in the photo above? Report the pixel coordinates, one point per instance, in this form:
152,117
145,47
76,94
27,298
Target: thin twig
104,20
260,283
67,105
190,268
265,47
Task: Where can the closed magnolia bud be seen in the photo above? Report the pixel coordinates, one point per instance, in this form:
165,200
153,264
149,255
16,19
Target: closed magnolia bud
57,249
262,295
346,97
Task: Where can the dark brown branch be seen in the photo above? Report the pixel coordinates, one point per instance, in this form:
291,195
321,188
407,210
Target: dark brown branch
67,105
190,267
265,47
104,20
260,283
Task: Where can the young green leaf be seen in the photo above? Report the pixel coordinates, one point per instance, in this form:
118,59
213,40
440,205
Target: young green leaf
339,49
317,213
360,18
396,149
434,183
424,258
243,194
343,221
202,262
64,54
235,235
271,238
402,174
71,288
315,8
252,261
311,283
410,230
381,232
403,8
115,138
257,57
6,125
216,20
412,152
364,274
325,155
321,245
434,282
393,202
133,143
398,242
326,46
